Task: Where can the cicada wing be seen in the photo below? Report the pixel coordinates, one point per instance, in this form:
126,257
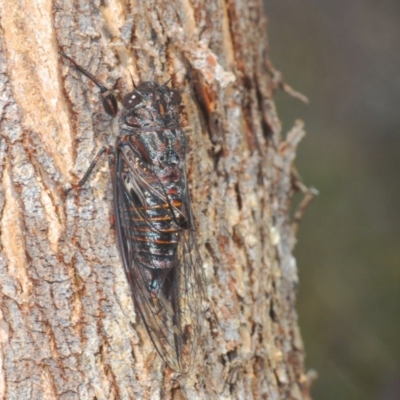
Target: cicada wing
190,266
171,312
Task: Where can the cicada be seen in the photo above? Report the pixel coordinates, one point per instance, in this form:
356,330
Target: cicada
153,217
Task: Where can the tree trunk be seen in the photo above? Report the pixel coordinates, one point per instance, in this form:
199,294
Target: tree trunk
68,327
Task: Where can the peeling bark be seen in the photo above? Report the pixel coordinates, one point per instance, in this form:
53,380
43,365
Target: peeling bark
68,328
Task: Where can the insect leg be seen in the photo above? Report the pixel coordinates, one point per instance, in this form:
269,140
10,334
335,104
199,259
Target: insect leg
104,150
107,97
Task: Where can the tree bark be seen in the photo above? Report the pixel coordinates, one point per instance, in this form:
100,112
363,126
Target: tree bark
68,327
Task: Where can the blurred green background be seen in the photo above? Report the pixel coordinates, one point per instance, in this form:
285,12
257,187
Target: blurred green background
345,56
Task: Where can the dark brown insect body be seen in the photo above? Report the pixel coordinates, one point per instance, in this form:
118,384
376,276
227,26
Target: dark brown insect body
153,217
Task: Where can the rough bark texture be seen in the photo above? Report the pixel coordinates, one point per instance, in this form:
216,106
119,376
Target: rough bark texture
68,328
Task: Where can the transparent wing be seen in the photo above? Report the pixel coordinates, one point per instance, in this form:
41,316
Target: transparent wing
170,311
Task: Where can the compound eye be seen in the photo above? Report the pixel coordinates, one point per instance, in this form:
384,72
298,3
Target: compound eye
175,96
132,99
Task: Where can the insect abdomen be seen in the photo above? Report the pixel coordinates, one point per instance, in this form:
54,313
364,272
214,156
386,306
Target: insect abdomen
156,231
